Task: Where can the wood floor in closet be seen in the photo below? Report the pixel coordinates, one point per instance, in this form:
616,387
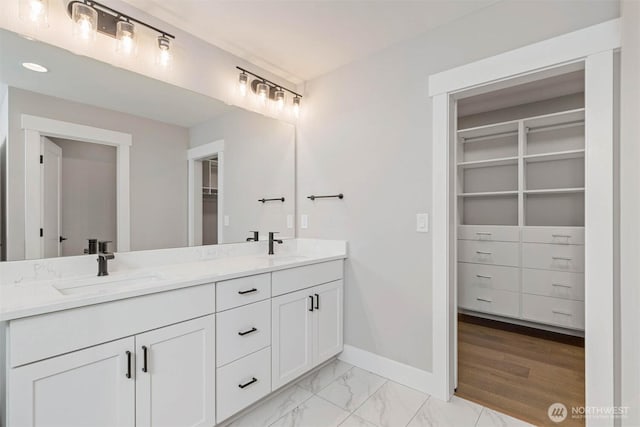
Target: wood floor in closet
519,371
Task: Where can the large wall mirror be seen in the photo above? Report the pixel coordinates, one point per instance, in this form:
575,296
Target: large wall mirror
91,151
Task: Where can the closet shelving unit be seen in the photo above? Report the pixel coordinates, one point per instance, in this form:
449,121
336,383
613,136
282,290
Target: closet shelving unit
520,210
209,179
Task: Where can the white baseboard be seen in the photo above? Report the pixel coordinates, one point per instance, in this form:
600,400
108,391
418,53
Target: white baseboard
395,371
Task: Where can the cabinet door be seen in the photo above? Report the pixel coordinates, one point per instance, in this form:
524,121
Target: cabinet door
328,321
88,387
292,325
175,384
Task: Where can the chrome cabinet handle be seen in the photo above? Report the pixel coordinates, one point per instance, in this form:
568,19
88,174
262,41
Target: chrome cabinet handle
250,331
483,299
247,384
248,291
144,358
483,253
561,312
480,276
560,285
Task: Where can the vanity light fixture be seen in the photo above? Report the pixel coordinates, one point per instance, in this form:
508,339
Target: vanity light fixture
267,90
35,12
32,66
85,22
164,51
127,42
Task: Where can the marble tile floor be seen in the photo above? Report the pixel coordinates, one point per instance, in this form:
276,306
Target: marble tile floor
340,394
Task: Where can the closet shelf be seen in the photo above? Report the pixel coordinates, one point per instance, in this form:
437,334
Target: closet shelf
555,119
556,191
490,162
492,131
556,155
489,194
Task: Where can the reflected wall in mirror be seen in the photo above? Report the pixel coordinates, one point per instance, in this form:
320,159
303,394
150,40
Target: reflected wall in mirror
130,159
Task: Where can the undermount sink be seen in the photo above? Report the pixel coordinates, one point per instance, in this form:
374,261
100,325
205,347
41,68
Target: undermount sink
105,284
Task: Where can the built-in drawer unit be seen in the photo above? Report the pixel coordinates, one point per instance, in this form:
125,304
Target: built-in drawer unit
495,253
489,277
557,284
553,257
243,382
555,235
68,330
553,311
242,291
503,303
242,331
488,233
293,279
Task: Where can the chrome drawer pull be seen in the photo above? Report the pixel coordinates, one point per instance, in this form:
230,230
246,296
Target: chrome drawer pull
483,253
483,299
253,380
480,276
560,258
561,312
250,331
560,285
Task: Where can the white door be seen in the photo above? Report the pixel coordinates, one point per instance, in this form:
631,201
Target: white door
88,387
51,163
292,339
328,321
175,375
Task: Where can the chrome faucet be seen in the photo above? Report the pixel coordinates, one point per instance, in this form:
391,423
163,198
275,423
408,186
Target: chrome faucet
271,240
103,257
255,238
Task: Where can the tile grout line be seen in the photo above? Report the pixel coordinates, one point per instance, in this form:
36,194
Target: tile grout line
419,408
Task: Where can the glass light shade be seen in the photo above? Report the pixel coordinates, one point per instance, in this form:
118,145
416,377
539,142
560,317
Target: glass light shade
296,106
263,92
163,57
127,41
279,98
243,80
85,22
35,12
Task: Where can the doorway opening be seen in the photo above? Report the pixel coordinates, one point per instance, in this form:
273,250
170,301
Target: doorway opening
518,167
210,201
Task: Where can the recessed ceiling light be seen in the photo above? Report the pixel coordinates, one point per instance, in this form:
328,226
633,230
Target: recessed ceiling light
34,67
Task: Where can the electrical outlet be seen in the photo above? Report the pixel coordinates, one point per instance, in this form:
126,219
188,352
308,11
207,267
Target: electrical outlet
422,223
304,221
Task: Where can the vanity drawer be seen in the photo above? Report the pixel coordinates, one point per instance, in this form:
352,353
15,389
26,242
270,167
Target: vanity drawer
553,257
488,277
557,284
293,279
243,382
488,233
504,303
555,235
553,311
242,331
244,290
494,253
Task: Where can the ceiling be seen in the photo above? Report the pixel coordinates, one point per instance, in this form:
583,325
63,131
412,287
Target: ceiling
88,81
301,40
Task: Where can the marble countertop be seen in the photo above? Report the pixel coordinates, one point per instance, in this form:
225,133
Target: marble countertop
23,298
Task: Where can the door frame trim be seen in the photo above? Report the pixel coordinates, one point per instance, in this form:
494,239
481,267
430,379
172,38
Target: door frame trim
34,127
594,46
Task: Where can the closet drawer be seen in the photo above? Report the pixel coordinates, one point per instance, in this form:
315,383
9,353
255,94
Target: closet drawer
555,235
492,301
495,253
293,279
557,284
488,233
242,331
553,311
242,291
488,277
553,257
243,382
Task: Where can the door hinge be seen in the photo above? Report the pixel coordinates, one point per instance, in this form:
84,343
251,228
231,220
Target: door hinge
41,159
41,232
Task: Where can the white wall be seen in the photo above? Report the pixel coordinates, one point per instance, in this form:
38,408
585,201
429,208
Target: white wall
158,184
630,212
259,162
88,197
366,132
